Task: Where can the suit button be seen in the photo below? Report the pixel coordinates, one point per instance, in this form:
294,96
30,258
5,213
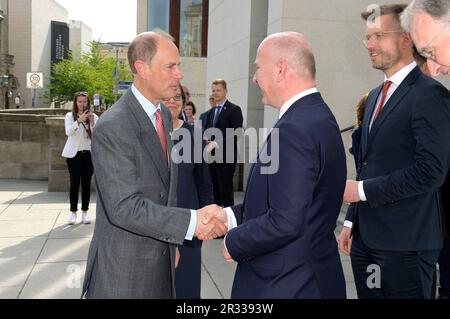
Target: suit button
365,163
161,194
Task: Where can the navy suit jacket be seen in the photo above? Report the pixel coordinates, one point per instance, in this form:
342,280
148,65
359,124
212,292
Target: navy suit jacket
230,117
405,158
285,244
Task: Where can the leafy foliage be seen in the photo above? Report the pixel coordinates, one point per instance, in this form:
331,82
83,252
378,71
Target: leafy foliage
93,73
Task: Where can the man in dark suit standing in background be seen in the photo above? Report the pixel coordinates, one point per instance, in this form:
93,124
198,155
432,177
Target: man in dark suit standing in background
285,244
394,234
226,117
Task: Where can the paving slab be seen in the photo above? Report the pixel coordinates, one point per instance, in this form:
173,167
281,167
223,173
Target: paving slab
25,228
55,281
30,214
10,292
221,272
21,247
65,250
15,272
72,231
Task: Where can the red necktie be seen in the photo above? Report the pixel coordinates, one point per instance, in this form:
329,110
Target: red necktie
160,131
386,87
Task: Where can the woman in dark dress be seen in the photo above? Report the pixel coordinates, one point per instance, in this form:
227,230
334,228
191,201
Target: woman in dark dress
194,191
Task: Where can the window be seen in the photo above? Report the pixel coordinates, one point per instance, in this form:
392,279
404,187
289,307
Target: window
185,20
158,14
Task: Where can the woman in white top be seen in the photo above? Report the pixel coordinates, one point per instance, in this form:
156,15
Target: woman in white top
79,127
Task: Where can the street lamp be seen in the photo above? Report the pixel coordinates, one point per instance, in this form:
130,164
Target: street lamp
117,46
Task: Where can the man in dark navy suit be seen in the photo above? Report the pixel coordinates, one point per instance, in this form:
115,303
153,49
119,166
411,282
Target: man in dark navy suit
394,231
225,117
285,244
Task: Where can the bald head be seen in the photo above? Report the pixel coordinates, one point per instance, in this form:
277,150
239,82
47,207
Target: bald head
144,47
294,48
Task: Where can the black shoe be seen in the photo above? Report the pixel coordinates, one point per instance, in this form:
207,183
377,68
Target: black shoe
444,293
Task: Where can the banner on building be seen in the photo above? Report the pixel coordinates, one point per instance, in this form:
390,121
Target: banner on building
60,41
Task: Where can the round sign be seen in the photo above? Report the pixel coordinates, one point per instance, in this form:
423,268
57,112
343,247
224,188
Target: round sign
35,78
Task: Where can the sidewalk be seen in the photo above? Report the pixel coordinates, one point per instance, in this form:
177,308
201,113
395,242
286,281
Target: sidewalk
42,257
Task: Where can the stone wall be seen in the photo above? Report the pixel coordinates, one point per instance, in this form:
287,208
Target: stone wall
24,145
31,146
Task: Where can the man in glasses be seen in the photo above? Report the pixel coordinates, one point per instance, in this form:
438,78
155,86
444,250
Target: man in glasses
429,24
428,21
393,228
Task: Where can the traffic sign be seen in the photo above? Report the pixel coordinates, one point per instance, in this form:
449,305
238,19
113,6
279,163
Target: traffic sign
35,80
124,86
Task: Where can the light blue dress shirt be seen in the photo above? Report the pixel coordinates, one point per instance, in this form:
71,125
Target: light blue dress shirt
150,110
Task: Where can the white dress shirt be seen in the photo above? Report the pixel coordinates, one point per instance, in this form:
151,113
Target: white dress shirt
396,80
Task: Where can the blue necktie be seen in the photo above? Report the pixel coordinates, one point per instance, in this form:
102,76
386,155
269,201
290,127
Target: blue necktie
216,115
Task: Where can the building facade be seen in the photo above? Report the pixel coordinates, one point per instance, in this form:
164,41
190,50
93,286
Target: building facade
80,35
8,81
30,42
335,30
187,22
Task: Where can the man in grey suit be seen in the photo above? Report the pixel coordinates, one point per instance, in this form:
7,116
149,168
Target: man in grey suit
132,253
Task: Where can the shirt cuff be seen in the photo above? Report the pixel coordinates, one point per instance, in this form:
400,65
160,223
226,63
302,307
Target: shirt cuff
192,225
225,243
348,224
232,223
361,193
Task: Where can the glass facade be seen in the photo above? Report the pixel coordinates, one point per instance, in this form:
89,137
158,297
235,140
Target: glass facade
185,20
191,22
158,14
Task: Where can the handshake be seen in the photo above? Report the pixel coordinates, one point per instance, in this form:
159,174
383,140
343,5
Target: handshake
212,222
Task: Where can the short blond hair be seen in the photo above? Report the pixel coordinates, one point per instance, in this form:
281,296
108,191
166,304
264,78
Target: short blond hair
220,82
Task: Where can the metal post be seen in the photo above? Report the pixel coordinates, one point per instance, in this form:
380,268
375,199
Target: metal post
116,75
33,101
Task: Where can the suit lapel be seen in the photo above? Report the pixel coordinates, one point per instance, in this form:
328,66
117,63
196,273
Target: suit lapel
391,104
225,108
369,109
149,137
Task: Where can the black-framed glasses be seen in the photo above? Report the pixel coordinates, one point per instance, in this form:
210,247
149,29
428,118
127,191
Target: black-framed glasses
378,36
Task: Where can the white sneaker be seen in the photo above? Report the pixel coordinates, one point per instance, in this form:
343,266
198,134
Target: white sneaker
72,219
85,218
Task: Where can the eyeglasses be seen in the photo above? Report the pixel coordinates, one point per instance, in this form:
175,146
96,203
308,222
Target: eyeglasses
81,94
176,98
378,36
429,52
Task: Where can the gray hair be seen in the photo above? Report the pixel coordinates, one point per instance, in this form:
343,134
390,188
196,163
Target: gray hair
144,47
437,9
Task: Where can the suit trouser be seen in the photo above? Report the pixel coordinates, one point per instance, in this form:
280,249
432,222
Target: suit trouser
80,169
392,274
222,179
444,266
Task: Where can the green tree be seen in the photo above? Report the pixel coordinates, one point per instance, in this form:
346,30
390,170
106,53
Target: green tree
93,73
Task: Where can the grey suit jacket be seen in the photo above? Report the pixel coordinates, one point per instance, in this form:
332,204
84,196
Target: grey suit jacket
132,251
